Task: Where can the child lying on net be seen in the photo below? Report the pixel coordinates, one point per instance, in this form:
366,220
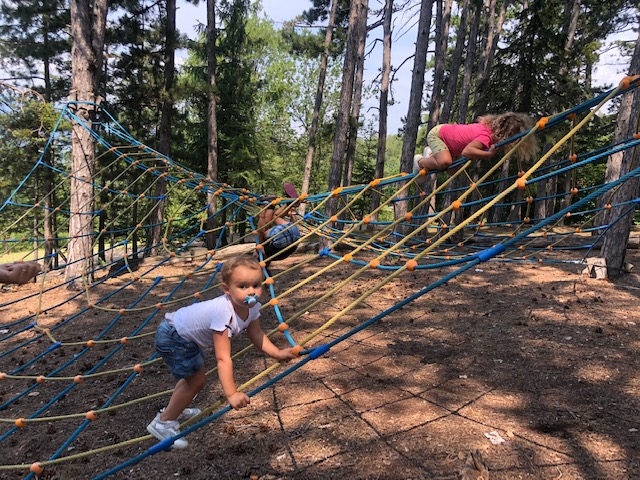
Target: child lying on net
475,141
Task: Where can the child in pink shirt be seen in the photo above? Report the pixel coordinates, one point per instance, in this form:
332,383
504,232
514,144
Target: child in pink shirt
474,141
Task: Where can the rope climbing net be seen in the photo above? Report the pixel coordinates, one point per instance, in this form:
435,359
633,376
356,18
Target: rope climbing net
543,212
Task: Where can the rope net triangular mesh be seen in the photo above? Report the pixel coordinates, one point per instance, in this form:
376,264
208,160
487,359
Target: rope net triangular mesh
468,219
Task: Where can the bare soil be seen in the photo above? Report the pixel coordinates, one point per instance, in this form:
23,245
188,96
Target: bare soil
536,355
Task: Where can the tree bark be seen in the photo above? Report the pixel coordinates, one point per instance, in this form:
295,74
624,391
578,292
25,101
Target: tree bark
384,99
443,20
88,31
212,121
346,95
494,28
456,61
620,218
469,62
415,98
357,95
315,120
164,141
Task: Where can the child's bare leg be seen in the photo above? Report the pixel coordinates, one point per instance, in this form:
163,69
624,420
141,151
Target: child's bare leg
265,222
440,161
183,394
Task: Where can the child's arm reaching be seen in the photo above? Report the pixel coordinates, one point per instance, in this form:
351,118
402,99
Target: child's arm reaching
261,341
477,150
222,346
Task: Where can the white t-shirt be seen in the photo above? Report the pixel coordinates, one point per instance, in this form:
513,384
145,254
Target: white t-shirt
197,321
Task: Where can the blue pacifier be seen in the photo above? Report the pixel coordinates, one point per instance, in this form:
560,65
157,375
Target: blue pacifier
250,300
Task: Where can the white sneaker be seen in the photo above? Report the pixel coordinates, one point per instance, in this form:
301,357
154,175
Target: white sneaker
186,414
163,430
416,167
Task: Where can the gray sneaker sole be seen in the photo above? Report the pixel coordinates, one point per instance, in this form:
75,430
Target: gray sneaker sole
180,443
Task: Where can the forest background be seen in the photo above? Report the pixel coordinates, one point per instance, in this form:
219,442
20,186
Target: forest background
254,105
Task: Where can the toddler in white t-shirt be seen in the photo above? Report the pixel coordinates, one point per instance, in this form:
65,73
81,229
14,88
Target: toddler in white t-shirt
183,335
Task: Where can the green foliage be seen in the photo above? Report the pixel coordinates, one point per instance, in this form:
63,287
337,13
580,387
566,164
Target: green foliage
34,44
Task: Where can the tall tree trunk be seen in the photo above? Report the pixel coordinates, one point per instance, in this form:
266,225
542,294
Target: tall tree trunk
315,120
357,95
443,20
415,97
621,218
469,62
346,95
384,99
456,61
212,121
164,141
87,30
494,29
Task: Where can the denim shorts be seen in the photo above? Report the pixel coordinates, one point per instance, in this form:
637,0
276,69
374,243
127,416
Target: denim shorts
183,357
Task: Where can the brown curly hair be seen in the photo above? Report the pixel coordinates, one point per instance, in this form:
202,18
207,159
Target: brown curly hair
506,125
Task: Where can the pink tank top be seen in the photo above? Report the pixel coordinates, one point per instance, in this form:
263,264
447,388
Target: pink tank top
457,136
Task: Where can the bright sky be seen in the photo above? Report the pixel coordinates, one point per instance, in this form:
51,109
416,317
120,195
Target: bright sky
609,71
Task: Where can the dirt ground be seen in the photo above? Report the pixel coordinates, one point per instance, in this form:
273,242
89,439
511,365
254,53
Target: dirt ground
534,367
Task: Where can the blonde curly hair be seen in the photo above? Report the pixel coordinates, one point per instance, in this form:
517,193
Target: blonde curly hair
506,125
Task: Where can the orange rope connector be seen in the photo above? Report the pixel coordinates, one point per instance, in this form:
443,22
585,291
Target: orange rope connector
374,263
408,216
374,182
529,199
626,81
259,246
366,220
296,350
571,116
91,343
347,257
423,194
521,183
573,157
578,230
263,264
78,379
159,306
337,191
138,368
334,218
568,214
542,123
550,247
269,281
607,206
273,302
36,468
521,247
20,423
527,220
91,415
574,190
124,340
636,136
282,327
197,295
456,204
303,197
411,265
